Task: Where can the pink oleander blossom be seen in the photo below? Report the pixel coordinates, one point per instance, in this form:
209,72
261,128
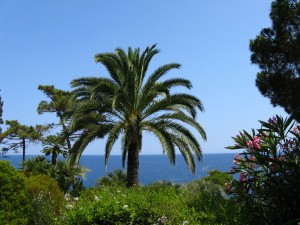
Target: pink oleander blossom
237,159
252,164
243,177
254,144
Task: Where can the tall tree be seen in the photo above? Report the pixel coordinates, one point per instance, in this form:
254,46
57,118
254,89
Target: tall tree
18,135
1,111
54,145
276,50
126,104
60,103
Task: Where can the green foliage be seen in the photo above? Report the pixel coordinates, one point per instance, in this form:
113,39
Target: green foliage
113,179
68,177
209,200
54,145
37,165
158,203
15,207
126,104
60,103
218,177
46,198
18,135
269,170
276,50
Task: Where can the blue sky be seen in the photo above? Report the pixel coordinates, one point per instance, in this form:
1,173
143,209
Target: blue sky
54,42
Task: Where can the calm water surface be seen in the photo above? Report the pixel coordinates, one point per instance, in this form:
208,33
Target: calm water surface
152,167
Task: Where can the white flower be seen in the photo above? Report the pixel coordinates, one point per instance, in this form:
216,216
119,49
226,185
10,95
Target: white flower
96,198
67,196
125,207
76,198
69,206
118,191
185,222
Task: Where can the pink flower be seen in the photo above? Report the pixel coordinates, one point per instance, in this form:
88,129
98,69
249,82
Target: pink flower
252,165
243,177
250,144
237,159
256,142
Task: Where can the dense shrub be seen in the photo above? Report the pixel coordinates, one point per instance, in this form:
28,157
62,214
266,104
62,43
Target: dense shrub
69,178
219,178
113,179
269,171
211,204
157,203
15,207
47,199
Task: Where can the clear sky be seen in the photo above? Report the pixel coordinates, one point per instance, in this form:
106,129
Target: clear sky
53,42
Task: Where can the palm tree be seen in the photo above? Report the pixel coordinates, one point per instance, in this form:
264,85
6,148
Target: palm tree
54,145
126,104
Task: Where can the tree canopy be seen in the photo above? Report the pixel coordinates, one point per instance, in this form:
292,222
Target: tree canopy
18,134
130,103
276,50
61,104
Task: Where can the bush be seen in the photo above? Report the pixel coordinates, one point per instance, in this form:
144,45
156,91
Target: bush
15,207
47,200
218,177
269,172
210,202
158,203
116,178
68,177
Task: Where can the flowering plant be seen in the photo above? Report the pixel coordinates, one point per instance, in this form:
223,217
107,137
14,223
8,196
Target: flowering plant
267,172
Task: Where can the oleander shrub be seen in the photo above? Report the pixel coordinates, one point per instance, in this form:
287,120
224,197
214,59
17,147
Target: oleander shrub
46,198
15,207
269,172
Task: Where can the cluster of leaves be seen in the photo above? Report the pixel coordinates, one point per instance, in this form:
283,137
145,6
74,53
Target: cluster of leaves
47,199
269,171
69,178
200,202
40,201
128,103
276,51
15,207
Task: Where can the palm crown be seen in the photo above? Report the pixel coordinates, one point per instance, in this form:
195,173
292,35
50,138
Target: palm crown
126,104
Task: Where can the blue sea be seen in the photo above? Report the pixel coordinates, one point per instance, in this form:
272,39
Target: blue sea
152,167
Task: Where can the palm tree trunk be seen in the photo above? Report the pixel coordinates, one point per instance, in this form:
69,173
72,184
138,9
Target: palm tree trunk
23,145
133,165
54,157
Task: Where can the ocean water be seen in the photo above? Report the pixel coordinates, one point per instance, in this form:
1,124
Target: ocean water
152,167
